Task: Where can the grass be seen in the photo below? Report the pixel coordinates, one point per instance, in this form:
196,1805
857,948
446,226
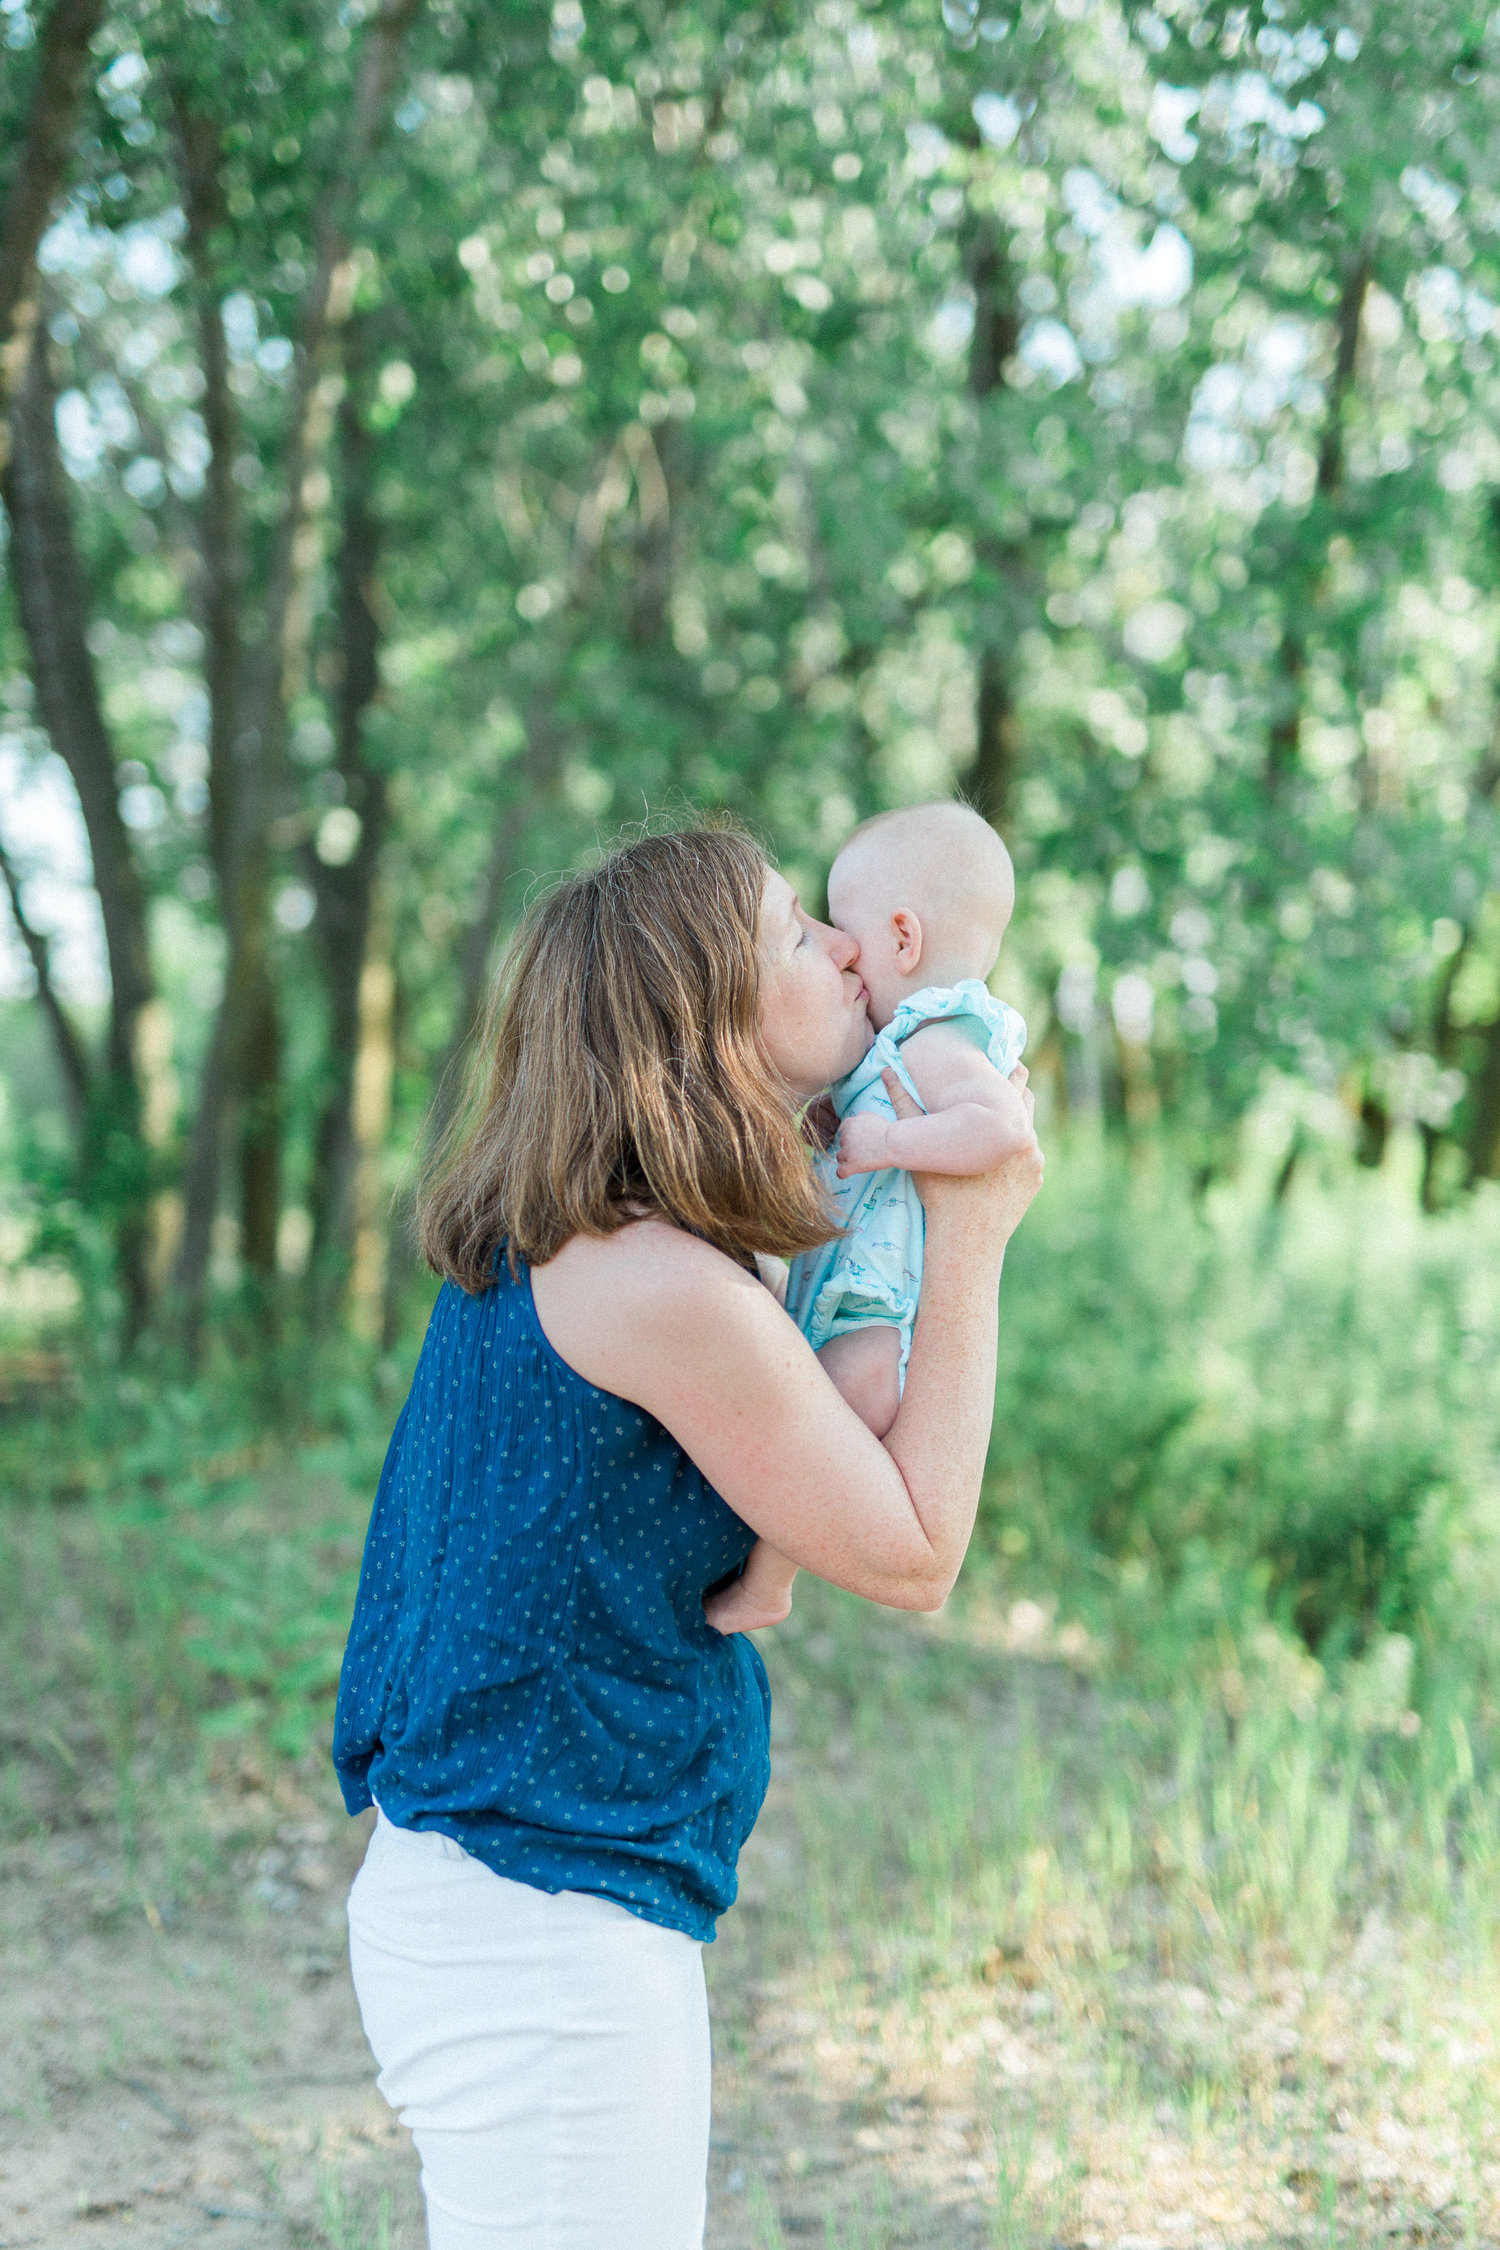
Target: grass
1022,1951
1100,1910
1058,1948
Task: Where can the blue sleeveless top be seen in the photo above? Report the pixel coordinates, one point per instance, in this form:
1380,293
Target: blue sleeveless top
529,1670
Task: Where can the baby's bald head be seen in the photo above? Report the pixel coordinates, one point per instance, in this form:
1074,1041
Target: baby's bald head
941,863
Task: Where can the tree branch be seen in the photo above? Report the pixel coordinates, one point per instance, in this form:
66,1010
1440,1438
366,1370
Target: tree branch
72,1059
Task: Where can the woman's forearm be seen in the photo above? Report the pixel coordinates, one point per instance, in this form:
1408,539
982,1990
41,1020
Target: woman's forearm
940,1438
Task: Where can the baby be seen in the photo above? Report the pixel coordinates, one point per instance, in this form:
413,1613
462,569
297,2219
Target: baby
928,893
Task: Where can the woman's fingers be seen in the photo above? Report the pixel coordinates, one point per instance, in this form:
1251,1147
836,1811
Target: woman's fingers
1020,1079
901,1101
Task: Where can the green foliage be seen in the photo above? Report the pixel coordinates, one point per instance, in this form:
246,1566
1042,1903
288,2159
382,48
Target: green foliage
808,412
183,1558
1249,1804
756,406
1211,1438
1303,1408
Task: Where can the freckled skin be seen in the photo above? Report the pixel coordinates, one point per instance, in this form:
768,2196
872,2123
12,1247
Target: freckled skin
814,1019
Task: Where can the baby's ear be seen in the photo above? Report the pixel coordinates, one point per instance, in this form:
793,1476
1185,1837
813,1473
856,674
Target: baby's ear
907,930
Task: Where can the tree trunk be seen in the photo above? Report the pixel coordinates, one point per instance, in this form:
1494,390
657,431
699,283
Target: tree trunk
260,1138
259,724
220,587
1444,1050
1284,746
651,586
1483,1148
540,764
50,597
1351,313
219,595
345,894
1373,1130
1284,742
997,332
992,777
61,62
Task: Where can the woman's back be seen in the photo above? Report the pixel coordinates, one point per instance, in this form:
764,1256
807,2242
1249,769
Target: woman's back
529,1669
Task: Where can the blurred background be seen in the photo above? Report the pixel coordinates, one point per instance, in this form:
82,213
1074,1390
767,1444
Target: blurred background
435,435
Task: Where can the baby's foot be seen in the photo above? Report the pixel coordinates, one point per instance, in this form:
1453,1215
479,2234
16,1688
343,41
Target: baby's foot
740,1608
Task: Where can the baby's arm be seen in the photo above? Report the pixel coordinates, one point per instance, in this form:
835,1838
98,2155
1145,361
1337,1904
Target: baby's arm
975,1118
864,1368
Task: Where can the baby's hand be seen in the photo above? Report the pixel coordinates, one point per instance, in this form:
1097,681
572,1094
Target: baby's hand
740,1608
862,1145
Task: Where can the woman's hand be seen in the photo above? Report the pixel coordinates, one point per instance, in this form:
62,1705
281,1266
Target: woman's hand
981,1210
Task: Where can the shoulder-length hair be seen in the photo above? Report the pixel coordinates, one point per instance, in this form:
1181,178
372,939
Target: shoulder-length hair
627,1073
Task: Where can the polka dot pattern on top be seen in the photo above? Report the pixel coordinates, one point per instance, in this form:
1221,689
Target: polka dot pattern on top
529,1669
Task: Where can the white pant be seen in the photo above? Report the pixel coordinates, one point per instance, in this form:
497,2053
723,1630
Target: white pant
548,2053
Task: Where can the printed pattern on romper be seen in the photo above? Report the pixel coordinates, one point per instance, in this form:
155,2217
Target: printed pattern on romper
871,1276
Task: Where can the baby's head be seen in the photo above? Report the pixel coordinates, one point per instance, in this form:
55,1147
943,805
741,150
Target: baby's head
928,892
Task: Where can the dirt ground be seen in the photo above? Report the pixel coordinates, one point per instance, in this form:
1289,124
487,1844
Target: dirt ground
197,2074
203,2078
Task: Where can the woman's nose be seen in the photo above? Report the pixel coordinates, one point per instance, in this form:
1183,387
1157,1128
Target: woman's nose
843,948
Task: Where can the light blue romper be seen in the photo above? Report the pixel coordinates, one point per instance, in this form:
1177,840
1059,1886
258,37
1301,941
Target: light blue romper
871,1275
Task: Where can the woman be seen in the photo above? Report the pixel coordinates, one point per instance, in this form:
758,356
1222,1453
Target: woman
608,1408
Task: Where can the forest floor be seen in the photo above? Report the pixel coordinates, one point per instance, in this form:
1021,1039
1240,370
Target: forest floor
974,1991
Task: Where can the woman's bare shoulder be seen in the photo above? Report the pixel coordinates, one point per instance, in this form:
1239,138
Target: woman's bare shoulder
648,1254
607,1303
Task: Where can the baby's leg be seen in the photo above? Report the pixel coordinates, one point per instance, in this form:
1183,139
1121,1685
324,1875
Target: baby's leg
865,1369
761,1595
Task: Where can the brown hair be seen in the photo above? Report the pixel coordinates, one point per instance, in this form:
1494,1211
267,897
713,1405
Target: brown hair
627,1070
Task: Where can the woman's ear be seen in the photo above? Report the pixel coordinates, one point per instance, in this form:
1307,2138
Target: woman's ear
907,932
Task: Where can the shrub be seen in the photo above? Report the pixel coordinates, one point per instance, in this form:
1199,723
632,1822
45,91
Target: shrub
1313,1405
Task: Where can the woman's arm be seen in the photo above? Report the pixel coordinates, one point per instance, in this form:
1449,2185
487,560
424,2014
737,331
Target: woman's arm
660,1318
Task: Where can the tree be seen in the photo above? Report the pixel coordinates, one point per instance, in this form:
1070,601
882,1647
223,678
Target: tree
242,1068
799,412
51,599
36,179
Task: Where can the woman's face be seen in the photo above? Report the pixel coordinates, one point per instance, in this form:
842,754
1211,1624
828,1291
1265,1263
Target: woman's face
813,1000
